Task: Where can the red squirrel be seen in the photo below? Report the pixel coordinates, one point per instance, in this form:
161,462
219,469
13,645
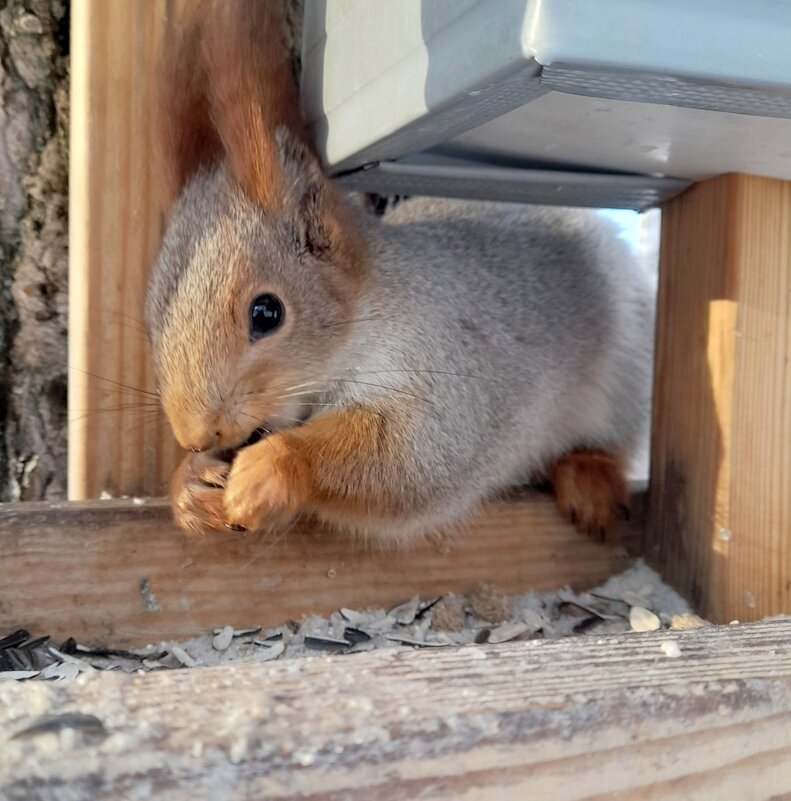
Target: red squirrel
383,375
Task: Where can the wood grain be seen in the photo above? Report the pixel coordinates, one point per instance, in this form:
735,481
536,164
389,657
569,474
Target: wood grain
119,441
76,570
573,720
720,510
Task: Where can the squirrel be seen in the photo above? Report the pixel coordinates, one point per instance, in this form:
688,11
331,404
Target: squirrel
383,375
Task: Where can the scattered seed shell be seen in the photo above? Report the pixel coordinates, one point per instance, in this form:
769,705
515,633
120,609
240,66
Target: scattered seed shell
18,675
507,632
326,643
426,606
245,632
482,636
272,650
182,656
355,636
353,616
221,641
642,619
590,610
587,623
81,665
687,621
416,643
64,671
15,639
535,620
405,613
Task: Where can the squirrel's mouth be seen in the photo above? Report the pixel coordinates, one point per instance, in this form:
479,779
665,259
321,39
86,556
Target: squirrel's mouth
259,433
265,429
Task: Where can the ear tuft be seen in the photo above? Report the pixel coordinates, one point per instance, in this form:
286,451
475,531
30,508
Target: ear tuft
225,83
251,92
185,138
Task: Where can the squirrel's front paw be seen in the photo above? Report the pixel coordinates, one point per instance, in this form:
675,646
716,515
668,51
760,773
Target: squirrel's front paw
197,489
269,484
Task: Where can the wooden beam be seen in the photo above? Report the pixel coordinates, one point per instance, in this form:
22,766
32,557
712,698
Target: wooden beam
720,516
122,574
588,718
118,439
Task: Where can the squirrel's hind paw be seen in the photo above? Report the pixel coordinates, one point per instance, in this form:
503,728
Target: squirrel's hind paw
590,489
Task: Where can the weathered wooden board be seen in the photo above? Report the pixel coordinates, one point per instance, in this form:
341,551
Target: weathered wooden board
118,439
720,519
589,718
121,573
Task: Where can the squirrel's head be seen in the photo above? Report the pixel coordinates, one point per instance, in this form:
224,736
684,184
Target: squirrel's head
262,263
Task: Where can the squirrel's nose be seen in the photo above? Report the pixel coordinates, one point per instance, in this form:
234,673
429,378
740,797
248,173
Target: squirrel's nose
198,446
204,437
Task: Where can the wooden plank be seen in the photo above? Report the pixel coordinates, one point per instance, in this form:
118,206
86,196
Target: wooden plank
120,573
720,514
118,439
590,718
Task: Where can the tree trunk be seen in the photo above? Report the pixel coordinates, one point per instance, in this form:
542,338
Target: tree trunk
34,47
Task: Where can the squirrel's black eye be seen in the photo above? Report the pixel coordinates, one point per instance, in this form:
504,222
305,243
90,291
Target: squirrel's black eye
266,314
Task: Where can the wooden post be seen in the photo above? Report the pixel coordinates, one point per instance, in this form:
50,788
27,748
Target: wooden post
118,439
720,503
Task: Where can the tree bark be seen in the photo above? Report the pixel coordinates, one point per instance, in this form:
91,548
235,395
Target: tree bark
34,46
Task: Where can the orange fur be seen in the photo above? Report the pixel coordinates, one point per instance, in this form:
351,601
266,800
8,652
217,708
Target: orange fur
589,488
251,92
354,454
268,485
225,85
338,466
186,139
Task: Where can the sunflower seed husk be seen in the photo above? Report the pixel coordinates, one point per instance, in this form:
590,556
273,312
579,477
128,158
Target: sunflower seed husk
405,613
222,640
642,619
326,643
507,632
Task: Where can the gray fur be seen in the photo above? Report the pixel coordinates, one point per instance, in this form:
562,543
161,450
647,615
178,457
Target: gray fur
502,335
543,312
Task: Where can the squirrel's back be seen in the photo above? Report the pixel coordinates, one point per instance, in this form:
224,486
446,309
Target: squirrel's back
543,315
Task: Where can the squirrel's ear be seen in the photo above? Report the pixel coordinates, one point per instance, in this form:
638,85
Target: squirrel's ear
321,219
185,138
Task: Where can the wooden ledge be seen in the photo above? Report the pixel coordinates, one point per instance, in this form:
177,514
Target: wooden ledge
587,718
120,573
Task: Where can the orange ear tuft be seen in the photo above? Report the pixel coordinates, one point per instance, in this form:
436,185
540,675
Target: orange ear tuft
225,85
186,139
251,92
